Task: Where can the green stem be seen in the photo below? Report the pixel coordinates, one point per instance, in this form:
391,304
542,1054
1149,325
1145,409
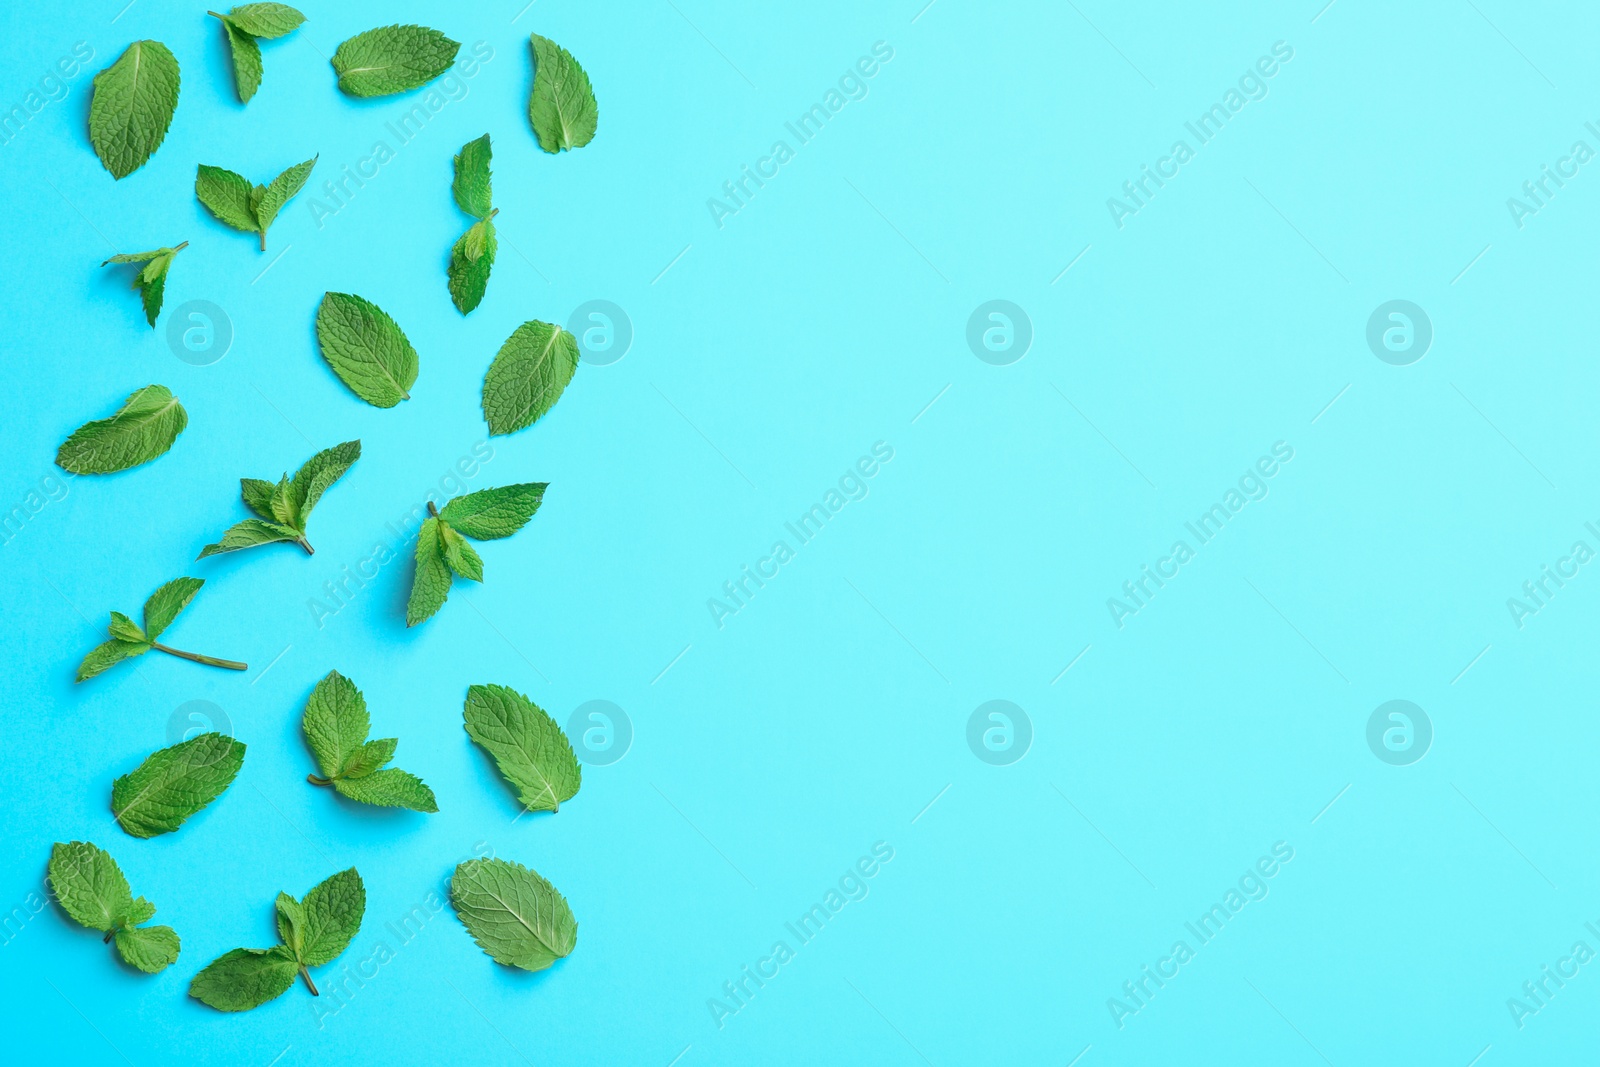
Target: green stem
109,935
316,780
214,15
433,510
263,240
309,983
181,247
210,661
303,543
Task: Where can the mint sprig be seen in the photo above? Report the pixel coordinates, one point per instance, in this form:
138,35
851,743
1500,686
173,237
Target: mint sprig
244,26
442,549
285,507
129,639
252,208
473,255
93,891
151,278
336,727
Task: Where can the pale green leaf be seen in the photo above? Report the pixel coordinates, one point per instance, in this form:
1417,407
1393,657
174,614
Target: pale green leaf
113,652
460,556
126,629
165,604
392,59
369,757
526,744
528,376
513,913
471,260
148,423
562,107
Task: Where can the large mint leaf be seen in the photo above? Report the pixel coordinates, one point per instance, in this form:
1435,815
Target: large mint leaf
146,426
333,911
366,349
335,723
133,103
562,107
492,513
393,59
528,376
527,745
245,978
175,783
513,913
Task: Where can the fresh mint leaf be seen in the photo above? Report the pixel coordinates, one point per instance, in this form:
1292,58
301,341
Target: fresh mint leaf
286,507
175,783
134,100
91,889
393,59
332,917
366,349
246,53
562,107
151,278
431,585
336,724
145,427
526,744
129,640
493,513
251,208
528,376
513,913
460,556
472,182
245,978
264,20
471,260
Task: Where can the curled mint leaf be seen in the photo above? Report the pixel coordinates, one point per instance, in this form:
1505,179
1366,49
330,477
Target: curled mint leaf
151,278
145,427
132,107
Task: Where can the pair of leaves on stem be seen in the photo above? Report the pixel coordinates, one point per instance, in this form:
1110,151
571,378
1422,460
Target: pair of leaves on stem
132,107
175,783
145,427
513,913
526,744
244,26
285,508
442,548
393,59
251,208
94,892
313,932
129,639
336,727
473,255
366,349
562,106
151,278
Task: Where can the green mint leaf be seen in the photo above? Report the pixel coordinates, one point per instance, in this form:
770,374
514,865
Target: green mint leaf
281,503
148,948
460,556
166,603
513,913
126,629
258,497
332,917
392,59
389,788
493,513
472,184
562,108
291,922
245,978
246,53
431,585
526,744
471,260
527,376
175,783
226,195
151,279
335,723
369,757
317,474
366,349
248,534
279,191
89,885
266,20
103,657
145,427
132,107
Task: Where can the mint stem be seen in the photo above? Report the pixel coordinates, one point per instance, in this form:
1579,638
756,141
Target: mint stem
303,543
210,661
264,248
181,247
433,510
315,780
309,983
214,15
109,935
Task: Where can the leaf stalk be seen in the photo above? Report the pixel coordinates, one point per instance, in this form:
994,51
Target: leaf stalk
309,983
210,661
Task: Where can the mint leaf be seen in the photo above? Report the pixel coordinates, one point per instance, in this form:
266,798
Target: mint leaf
471,260
265,20
460,556
151,279
392,59
126,629
166,603
133,103
472,182
251,208
175,783
92,890
526,744
332,917
245,978
246,53
493,513
336,724
513,913
366,349
528,376
286,507
431,585
129,640
108,655
562,108
146,426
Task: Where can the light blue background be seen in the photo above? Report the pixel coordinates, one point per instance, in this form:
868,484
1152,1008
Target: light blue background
825,716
